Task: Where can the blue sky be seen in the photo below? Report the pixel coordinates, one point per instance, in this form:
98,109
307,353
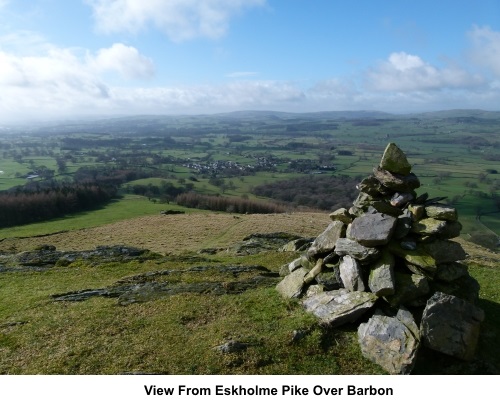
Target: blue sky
66,58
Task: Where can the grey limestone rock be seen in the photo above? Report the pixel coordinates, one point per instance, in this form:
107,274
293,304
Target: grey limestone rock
417,211
363,200
351,274
401,199
385,208
325,243
313,290
307,261
372,229
441,211
296,245
342,215
391,342
417,256
309,277
292,266
396,182
428,226
451,325
394,160
437,227
354,249
370,185
381,280
293,284
365,203
231,346
338,307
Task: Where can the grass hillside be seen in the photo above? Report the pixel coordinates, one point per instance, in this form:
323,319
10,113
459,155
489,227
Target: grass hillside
183,330
173,234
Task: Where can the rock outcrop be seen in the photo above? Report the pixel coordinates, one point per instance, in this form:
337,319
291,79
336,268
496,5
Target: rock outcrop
391,250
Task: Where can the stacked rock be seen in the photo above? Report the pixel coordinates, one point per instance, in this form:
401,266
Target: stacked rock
391,251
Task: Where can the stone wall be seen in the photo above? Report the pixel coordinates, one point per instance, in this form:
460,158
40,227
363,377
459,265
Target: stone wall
390,257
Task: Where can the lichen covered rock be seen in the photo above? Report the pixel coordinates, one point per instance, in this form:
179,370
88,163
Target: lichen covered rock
391,342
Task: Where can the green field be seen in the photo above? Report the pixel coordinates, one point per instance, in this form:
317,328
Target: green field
454,153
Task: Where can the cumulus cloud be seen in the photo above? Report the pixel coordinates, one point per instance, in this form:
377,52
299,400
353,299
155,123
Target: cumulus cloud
180,20
406,72
58,69
485,48
125,60
49,84
58,81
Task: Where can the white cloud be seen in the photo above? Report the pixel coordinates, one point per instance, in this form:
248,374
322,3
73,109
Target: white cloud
59,68
126,60
53,84
404,62
180,20
485,49
405,72
209,98
58,81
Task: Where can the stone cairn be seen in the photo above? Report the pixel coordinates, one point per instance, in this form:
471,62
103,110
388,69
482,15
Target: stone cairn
390,255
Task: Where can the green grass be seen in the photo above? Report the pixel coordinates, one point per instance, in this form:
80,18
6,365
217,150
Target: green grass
178,334
130,206
174,335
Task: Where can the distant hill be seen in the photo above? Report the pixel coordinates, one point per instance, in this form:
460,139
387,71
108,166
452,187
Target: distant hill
458,113
321,115
132,122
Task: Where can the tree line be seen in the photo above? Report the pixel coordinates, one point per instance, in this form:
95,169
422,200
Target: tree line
235,205
321,192
43,200
23,206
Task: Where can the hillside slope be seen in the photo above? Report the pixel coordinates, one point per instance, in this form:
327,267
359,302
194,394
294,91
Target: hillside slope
175,312
173,234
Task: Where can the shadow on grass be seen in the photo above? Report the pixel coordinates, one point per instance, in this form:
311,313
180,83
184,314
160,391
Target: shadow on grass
486,360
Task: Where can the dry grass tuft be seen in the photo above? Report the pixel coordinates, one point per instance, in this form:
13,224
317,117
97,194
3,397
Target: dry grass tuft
172,234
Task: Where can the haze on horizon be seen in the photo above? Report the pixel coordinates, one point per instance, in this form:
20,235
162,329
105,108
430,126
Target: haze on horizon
95,58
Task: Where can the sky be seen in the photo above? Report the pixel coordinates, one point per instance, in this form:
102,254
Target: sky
62,59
